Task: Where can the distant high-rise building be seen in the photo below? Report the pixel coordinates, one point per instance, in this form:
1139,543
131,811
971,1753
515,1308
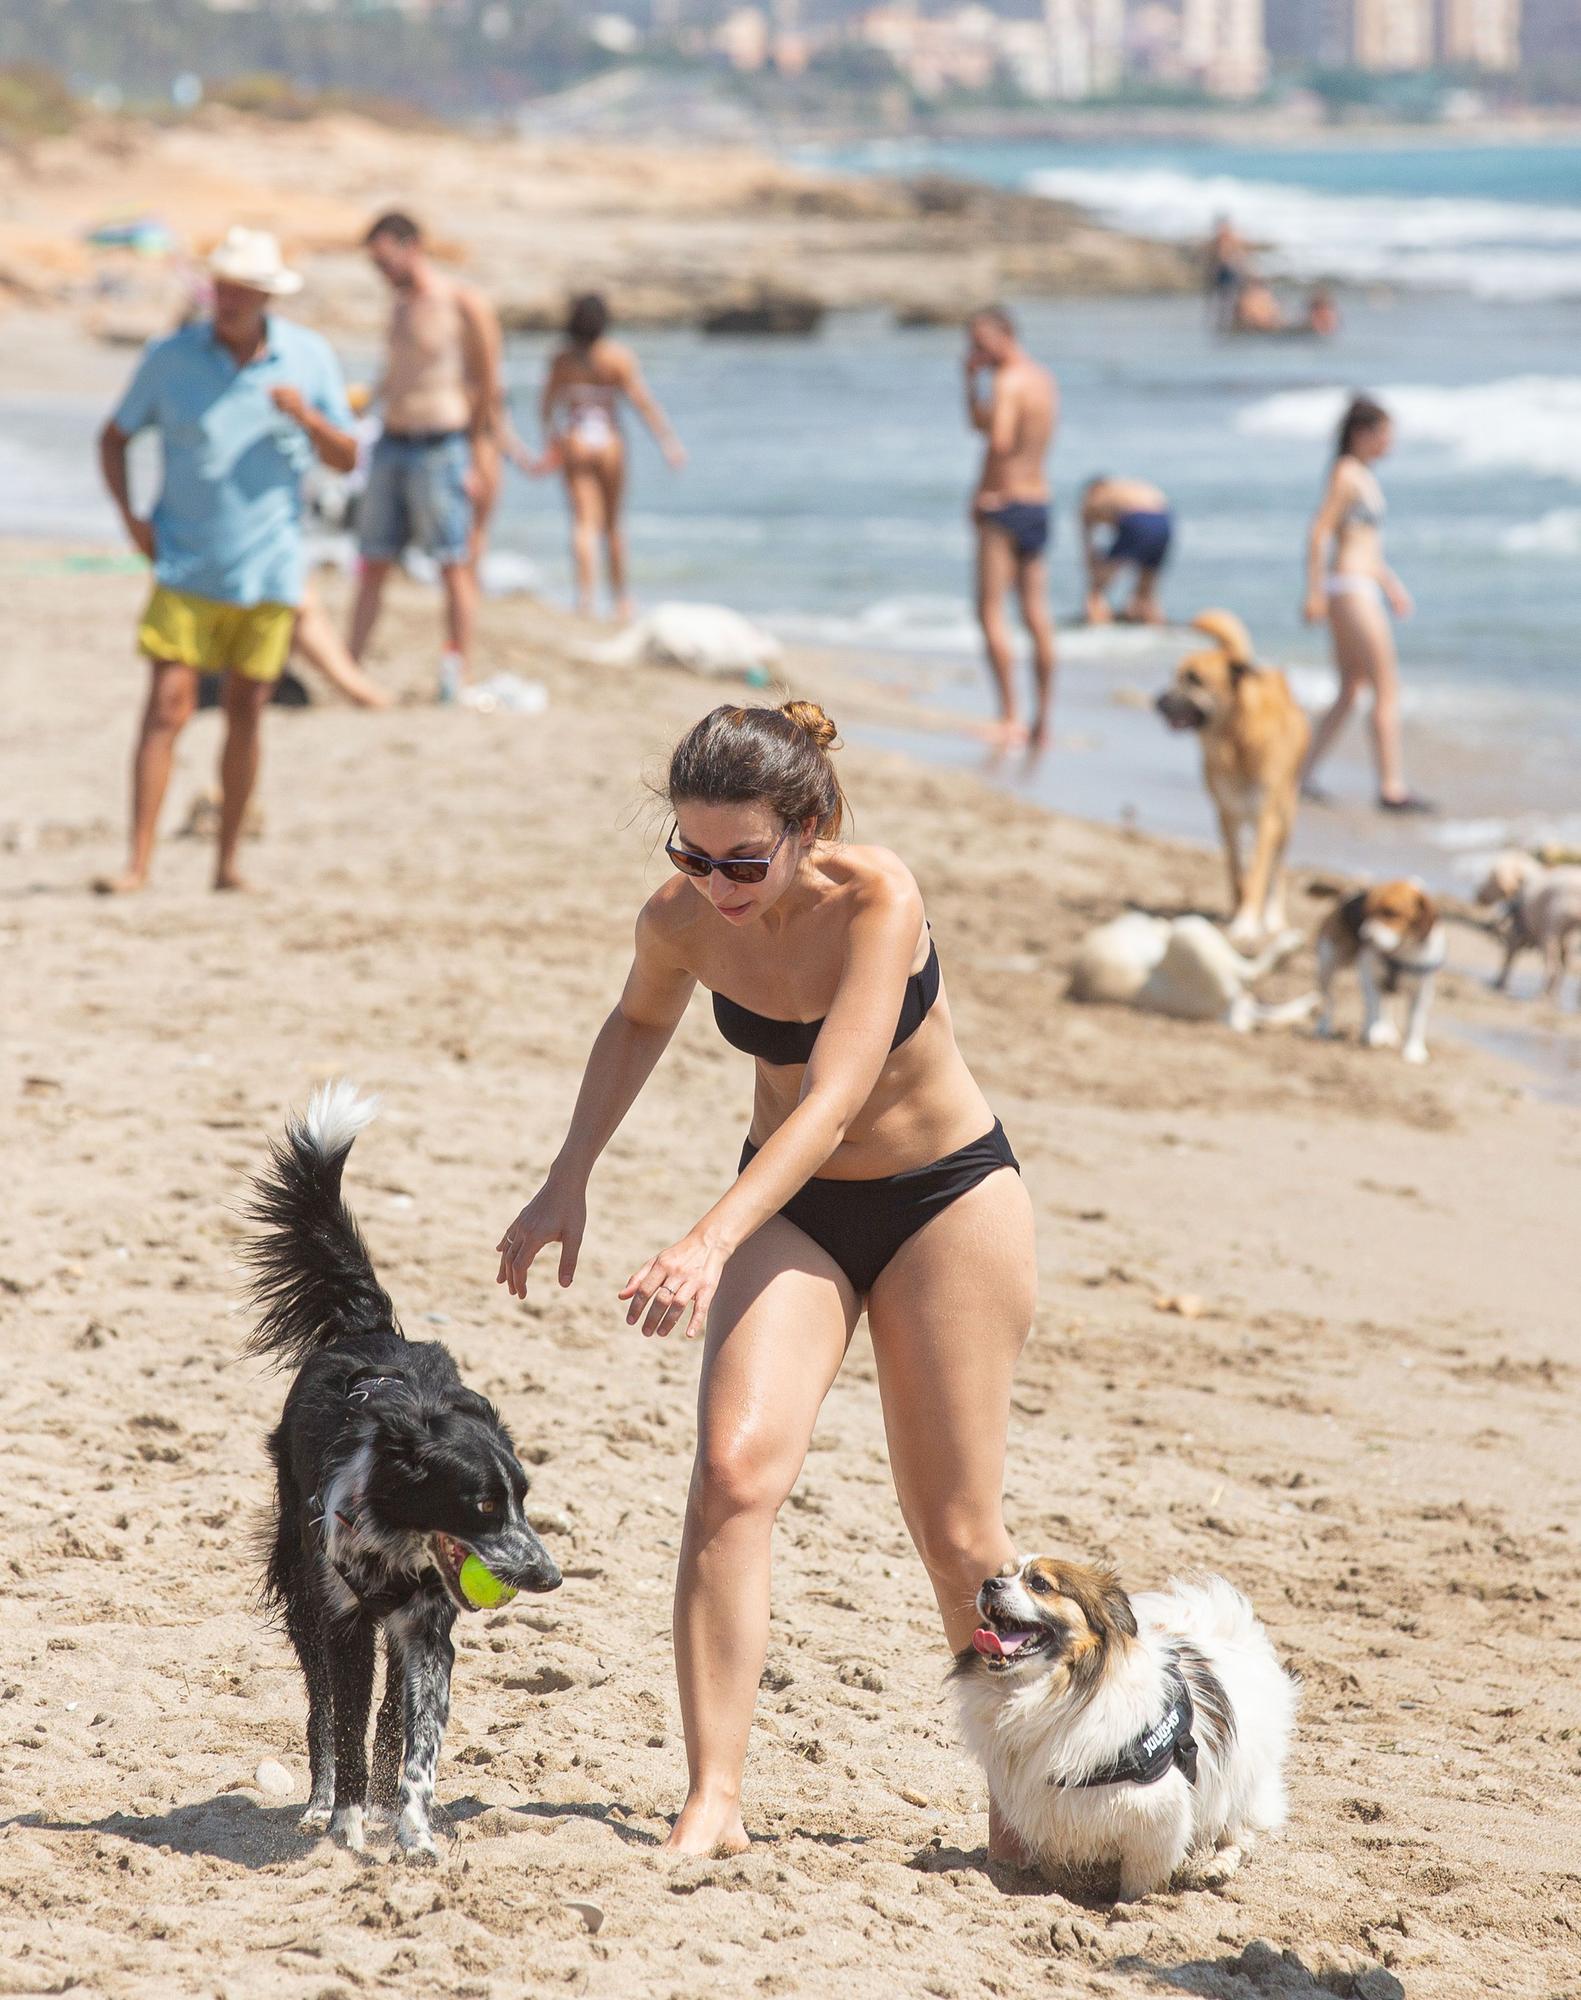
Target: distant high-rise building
1086,46
1407,34
742,38
1307,31
1222,45
1106,28
1486,34
1392,34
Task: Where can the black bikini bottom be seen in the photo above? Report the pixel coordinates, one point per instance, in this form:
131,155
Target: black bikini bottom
863,1223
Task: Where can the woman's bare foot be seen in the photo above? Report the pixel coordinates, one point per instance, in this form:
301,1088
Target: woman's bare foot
708,1826
1097,611
127,883
1009,733
227,878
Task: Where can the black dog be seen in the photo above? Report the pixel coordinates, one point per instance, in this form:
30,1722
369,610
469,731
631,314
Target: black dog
390,1472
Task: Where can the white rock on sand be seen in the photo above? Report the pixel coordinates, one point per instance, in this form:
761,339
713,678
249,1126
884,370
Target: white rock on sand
272,1777
699,638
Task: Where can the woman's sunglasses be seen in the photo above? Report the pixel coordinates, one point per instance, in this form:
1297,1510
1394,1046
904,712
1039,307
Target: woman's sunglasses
701,866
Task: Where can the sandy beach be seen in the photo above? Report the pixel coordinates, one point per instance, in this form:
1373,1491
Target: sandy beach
1305,1317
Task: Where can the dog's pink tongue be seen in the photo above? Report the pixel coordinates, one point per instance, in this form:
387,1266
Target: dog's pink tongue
998,1645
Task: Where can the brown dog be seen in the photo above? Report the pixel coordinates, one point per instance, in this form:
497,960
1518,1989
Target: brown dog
1392,935
1254,742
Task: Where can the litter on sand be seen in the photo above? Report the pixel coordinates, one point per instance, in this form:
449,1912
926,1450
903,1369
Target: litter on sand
505,694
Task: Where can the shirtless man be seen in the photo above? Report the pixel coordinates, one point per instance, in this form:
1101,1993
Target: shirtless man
1135,514
435,467
1010,509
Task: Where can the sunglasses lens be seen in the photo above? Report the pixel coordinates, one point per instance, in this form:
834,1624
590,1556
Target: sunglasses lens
743,871
689,864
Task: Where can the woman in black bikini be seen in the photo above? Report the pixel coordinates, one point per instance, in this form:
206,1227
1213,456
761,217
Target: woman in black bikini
874,1176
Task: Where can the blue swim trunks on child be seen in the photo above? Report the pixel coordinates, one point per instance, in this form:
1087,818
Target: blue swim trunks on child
1026,522
1142,539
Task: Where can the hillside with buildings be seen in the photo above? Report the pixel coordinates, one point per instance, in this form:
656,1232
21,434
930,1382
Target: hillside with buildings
1076,49
806,59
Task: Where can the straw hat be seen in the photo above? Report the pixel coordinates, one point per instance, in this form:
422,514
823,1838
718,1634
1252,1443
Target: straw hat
251,257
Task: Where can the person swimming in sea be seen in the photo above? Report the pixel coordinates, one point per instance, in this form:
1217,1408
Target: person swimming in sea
1225,263
1135,517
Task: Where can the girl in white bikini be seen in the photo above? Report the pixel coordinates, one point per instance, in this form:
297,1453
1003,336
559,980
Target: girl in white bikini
1350,584
588,378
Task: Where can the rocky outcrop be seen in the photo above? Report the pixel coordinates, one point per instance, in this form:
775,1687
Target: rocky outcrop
766,309
701,235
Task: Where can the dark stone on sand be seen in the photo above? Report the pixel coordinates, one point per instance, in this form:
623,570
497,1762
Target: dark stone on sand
795,314
931,312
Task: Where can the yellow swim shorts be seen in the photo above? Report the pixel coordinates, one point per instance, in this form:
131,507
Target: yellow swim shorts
253,640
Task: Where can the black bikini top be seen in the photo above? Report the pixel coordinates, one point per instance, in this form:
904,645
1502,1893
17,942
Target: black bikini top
791,1041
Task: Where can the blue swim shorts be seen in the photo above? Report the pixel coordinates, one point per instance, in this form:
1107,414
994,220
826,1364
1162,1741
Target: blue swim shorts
1142,539
1026,522
416,497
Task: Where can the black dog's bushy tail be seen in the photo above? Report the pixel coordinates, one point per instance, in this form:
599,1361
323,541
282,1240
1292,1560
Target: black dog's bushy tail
313,1281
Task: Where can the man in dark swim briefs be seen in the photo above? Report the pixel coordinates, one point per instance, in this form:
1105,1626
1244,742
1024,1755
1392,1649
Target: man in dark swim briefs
1010,510
1125,524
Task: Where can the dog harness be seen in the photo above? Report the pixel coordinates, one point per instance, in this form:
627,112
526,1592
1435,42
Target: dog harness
1353,914
1168,1746
375,1603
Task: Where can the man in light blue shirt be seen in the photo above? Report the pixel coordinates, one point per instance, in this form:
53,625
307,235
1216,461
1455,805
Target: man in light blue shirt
242,403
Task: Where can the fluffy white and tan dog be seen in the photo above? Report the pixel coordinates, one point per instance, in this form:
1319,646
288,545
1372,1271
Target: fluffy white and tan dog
1131,1730
1184,967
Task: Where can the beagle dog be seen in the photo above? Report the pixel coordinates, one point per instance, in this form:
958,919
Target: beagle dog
1394,937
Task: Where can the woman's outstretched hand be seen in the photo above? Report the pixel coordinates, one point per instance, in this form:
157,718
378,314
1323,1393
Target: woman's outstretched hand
676,1288
554,1215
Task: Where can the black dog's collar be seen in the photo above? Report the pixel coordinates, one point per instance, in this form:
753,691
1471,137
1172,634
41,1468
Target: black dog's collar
1167,1746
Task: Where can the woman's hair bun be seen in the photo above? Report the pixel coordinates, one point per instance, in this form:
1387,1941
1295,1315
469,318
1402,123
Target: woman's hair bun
808,716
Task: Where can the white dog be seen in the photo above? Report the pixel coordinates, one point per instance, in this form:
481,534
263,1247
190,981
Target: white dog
1542,910
1132,1730
1184,967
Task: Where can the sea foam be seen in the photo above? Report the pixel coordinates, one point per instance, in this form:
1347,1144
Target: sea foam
1525,423
1496,249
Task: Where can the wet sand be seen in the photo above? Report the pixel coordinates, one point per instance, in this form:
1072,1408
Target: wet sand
1368,1423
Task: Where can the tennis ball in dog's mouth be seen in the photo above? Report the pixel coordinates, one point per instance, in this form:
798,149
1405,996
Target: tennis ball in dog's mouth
482,1588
